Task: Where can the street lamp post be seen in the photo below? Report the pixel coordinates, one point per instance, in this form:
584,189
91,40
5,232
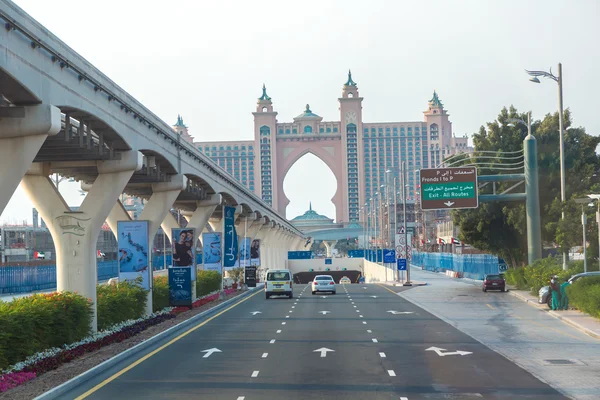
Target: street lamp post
557,79
597,198
583,202
406,244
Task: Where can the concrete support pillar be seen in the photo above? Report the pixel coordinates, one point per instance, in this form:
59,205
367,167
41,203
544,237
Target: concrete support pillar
263,236
75,233
155,210
329,245
118,213
204,210
23,131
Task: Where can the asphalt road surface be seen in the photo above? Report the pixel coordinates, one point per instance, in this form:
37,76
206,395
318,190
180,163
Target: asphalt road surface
365,342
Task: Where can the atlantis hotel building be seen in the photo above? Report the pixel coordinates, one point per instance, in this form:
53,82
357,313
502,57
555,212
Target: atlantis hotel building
358,152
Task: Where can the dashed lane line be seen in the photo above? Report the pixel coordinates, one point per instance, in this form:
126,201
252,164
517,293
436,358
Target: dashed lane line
391,372
272,341
374,340
264,355
382,355
278,330
255,374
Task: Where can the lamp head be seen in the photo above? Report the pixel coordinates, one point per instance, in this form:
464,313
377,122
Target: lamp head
534,79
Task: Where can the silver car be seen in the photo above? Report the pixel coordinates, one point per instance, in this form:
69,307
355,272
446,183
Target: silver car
323,283
544,293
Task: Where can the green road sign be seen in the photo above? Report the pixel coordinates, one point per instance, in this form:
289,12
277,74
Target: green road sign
449,188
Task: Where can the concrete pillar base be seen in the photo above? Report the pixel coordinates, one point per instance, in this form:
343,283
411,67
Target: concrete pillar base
75,233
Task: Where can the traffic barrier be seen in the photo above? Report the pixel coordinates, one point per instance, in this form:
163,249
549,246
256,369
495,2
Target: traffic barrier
473,266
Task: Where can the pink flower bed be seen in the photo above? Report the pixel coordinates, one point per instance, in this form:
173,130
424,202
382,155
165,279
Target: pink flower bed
14,379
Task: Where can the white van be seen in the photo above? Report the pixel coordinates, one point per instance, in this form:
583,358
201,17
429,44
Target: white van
279,283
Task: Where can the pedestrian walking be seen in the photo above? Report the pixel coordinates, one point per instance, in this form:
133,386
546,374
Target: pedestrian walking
564,299
555,288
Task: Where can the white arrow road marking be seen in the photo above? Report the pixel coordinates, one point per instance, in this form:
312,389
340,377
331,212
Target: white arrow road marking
449,203
382,355
255,374
255,312
441,353
324,312
210,351
265,355
323,351
391,372
323,297
400,312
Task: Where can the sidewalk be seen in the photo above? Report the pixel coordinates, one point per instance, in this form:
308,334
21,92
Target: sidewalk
577,319
401,283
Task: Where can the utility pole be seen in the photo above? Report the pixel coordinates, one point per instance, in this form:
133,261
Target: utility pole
406,244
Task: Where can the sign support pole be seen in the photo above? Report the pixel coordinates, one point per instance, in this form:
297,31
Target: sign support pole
406,244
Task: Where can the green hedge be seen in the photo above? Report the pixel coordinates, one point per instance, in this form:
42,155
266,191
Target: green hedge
160,293
35,323
584,294
118,303
208,281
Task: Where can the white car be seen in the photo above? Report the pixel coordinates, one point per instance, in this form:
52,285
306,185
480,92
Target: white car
279,283
345,281
323,283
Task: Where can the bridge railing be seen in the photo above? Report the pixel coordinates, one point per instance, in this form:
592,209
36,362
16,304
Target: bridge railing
473,266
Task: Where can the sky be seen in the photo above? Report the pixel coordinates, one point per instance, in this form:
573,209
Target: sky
207,60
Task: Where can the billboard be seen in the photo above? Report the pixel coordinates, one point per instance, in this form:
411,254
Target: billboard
180,286
184,248
255,252
133,251
211,243
244,259
231,238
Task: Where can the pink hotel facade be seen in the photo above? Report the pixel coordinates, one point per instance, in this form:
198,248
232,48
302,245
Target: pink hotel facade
358,152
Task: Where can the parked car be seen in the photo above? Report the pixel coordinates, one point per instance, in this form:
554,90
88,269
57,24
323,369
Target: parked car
279,283
494,282
544,293
323,283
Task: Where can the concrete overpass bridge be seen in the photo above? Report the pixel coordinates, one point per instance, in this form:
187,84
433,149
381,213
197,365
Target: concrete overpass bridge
60,114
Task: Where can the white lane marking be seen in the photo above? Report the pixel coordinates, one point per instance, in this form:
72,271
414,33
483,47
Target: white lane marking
374,340
391,372
272,341
283,323
255,312
323,351
441,353
382,355
352,302
354,306
360,316
210,351
287,316
278,330
265,355
357,310
255,374
364,322
403,398
291,311
293,306
369,331
241,398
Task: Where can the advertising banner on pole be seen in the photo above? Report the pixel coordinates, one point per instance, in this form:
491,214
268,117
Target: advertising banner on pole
212,251
244,259
255,252
231,239
184,248
180,286
133,251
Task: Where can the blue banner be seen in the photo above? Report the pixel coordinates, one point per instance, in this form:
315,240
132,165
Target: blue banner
231,239
401,262
211,243
328,261
244,252
356,253
299,255
379,255
132,237
389,256
180,286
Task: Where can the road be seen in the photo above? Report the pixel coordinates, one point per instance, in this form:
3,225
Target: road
343,346
548,348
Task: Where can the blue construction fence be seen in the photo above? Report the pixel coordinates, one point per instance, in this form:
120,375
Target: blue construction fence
17,279
473,266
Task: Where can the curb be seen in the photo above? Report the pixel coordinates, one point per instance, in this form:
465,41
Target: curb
98,369
574,324
419,283
526,300
556,315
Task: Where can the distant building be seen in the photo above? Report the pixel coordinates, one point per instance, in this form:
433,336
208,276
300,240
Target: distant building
311,221
358,152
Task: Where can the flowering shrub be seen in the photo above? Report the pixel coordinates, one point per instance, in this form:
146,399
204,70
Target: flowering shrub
34,323
14,379
52,358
